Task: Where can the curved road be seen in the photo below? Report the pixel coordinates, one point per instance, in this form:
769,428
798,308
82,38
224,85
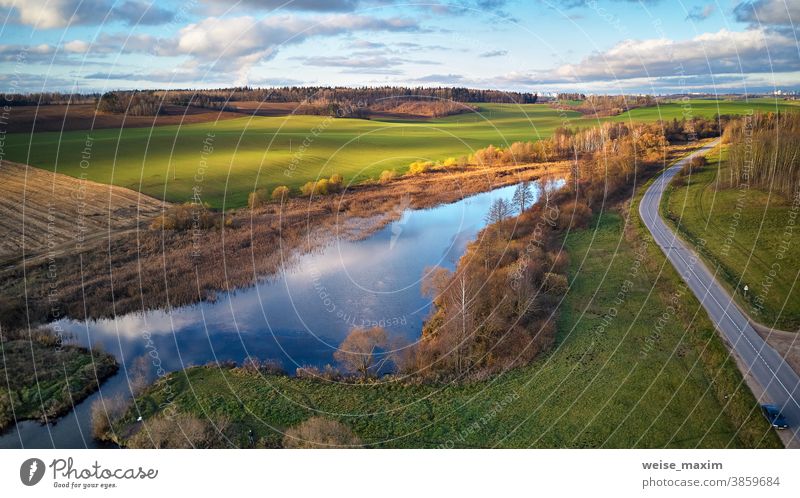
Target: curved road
777,379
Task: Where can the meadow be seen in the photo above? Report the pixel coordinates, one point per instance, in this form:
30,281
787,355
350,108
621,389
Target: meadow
223,161
608,382
745,234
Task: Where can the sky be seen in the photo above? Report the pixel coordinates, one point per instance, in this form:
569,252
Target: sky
590,46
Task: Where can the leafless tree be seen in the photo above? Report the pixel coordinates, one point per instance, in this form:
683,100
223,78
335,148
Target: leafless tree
359,351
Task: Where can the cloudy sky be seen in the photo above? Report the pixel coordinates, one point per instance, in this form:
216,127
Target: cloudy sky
653,46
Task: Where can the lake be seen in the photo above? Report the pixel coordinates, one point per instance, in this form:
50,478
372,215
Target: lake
297,318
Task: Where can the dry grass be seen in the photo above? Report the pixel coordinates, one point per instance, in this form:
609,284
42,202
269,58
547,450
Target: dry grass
43,212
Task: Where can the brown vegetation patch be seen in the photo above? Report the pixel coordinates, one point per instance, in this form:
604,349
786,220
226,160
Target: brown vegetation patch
41,211
25,119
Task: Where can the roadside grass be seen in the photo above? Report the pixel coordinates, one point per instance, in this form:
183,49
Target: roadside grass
745,239
170,163
596,389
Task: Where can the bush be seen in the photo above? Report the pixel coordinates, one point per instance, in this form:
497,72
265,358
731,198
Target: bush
386,176
280,193
256,199
574,214
420,167
335,183
185,217
319,432
555,284
323,186
319,187
104,412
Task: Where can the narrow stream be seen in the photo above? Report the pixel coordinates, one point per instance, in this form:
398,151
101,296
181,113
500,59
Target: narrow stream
297,318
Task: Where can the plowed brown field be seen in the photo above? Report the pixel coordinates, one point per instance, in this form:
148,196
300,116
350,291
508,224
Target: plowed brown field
43,212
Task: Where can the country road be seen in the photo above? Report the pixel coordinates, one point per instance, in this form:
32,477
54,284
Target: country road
765,366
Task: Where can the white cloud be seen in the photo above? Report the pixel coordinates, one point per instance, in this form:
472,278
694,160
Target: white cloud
775,12
721,52
45,14
239,43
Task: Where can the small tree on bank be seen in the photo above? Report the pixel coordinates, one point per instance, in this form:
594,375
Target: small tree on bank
499,211
523,196
359,351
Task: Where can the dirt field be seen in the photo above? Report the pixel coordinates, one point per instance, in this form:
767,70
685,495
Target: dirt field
49,212
83,117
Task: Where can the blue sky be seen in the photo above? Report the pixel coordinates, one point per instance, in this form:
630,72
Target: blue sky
594,46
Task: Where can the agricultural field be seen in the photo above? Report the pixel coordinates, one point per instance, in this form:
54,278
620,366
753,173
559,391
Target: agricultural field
42,211
704,108
225,160
620,392
744,233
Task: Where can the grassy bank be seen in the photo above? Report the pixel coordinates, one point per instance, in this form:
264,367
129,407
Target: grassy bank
745,238
42,380
611,381
226,160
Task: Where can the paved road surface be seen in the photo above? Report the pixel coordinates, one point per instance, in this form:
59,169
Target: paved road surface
777,379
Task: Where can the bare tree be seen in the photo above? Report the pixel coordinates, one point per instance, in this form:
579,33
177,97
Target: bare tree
359,351
499,211
523,196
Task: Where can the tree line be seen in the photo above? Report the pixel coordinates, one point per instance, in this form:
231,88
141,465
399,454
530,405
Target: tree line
764,151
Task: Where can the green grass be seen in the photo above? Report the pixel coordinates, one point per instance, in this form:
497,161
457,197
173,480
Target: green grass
743,243
255,152
596,389
42,382
703,108
168,162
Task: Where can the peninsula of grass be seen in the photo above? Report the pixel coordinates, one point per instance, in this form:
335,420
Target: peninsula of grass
609,382
747,235
43,379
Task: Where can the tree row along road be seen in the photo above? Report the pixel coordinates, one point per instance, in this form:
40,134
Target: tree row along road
779,382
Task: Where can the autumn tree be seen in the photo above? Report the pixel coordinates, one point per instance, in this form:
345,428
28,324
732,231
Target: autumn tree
280,193
523,196
455,298
386,176
499,211
256,199
359,352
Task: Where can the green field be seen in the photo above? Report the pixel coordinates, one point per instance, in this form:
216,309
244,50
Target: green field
43,382
168,162
597,389
744,232
705,108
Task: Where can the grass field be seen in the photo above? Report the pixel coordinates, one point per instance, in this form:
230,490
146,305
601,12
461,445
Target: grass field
167,162
597,389
744,232
43,382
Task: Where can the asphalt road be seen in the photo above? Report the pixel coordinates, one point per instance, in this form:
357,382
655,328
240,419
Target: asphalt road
777,379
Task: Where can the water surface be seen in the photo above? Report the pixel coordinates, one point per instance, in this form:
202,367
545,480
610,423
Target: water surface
297,318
